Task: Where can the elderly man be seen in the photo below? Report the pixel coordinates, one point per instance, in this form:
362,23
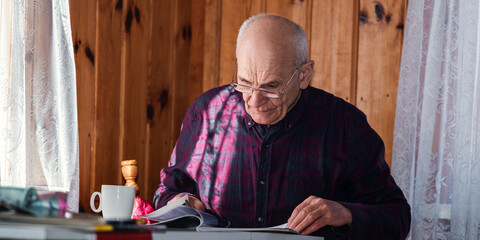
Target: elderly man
270,149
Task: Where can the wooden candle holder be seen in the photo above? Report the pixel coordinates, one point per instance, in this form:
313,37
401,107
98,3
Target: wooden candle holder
129,172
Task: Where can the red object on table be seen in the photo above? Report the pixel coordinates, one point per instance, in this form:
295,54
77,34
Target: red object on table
124,235
141,208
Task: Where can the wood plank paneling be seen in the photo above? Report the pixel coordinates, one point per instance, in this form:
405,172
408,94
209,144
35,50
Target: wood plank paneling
233,15
108,92
211,51
379,54
137,28
182,87
83,36
159,100
196,49
334,47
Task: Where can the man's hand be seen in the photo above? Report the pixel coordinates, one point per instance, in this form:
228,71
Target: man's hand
315,212
192,201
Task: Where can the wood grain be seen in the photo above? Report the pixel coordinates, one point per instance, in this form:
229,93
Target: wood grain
379,54
159,100
83,36
108,92
233,15
181,61
334,47
211,52
136,54
196,49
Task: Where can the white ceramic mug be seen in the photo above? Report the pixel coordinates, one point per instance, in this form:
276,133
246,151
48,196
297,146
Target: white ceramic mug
116,202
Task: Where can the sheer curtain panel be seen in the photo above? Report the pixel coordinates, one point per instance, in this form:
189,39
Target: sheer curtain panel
436,152
38,113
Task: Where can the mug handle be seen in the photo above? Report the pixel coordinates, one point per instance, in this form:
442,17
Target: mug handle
92,202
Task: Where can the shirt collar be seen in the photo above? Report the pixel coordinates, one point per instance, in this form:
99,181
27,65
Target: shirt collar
248,119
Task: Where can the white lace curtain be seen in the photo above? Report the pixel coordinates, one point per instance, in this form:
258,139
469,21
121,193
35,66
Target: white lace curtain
436,152
38,113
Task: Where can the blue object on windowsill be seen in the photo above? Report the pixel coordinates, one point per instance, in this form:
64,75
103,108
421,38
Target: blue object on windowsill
29,201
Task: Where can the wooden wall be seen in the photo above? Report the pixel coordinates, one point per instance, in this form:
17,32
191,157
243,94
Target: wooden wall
141,63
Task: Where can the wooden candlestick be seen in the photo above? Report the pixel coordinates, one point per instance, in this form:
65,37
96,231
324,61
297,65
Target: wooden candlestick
129,172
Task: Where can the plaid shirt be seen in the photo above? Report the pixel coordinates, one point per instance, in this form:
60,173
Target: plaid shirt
254,176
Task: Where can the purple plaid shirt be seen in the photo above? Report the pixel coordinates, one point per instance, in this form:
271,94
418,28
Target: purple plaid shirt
254,176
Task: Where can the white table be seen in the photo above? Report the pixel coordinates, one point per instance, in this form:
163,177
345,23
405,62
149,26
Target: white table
189,235
43,231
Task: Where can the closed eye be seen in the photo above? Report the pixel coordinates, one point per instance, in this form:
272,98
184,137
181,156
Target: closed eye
271,85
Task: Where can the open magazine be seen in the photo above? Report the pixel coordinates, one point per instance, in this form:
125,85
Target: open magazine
178,215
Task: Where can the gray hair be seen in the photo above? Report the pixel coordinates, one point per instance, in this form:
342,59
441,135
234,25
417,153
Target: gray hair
299,36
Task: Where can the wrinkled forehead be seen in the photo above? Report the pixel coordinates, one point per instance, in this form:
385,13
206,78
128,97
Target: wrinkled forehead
261,70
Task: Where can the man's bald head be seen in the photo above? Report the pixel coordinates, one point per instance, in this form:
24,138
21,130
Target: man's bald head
285,34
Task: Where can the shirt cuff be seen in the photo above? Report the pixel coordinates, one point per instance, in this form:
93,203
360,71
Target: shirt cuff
360,221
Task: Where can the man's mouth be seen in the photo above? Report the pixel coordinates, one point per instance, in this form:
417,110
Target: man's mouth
263,110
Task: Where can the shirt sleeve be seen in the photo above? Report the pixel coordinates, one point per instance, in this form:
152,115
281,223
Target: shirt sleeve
175,179
378,206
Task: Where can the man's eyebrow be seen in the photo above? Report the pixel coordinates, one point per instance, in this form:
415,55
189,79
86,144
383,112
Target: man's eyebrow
244,80
273,82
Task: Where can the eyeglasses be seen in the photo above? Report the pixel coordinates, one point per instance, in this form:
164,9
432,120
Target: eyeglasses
269,93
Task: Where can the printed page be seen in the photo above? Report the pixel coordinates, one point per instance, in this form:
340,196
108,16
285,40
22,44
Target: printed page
279,229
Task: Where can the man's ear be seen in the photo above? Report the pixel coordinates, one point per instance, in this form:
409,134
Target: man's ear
306,72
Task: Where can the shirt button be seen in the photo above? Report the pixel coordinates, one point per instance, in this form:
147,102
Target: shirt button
260,219
289,125
249,123
262,182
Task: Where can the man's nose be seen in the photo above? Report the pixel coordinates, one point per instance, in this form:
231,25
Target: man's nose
257,99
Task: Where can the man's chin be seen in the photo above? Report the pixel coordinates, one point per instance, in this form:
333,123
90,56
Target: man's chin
263,117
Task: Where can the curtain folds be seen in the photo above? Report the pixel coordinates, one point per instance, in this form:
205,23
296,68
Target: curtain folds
436,150
38,113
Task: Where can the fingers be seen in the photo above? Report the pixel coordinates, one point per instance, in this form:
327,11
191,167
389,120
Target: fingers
308,216
315,213
293,221
193,202
311,227
300,212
